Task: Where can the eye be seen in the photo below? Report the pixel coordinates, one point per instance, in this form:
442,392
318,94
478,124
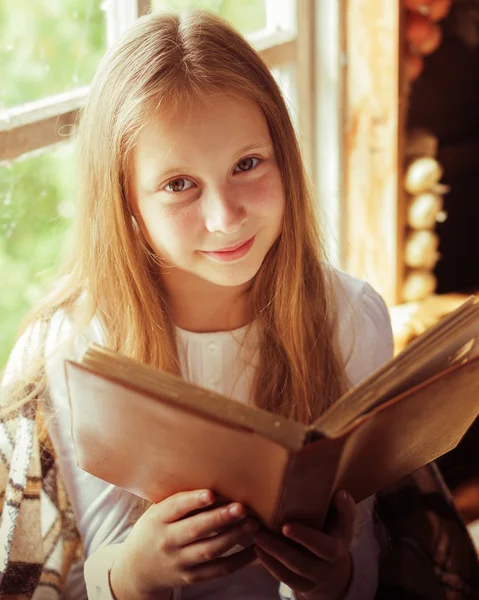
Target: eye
246,164
178,185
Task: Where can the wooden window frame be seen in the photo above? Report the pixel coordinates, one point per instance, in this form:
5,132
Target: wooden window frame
43,123
360,137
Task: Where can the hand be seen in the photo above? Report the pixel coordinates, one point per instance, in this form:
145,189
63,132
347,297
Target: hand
169,547
318,566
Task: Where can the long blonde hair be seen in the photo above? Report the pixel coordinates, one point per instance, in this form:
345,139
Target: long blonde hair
164,57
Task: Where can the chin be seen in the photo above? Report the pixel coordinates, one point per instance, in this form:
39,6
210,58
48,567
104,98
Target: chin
240,275
231,281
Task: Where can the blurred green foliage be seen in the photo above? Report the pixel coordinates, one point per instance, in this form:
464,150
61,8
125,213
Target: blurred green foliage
48,47
35,205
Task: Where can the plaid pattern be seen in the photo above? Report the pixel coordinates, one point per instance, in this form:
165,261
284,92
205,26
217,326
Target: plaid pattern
38,536
429,555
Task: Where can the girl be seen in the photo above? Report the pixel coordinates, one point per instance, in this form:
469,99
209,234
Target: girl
196,251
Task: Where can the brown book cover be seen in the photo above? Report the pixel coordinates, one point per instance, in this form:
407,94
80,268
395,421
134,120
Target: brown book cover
155,434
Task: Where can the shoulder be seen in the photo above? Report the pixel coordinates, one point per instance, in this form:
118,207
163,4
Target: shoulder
49,342
363,325
355,298
66,340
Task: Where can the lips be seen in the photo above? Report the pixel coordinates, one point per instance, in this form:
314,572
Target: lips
231,248
232,253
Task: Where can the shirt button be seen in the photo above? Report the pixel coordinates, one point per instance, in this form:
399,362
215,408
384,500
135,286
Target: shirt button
212,348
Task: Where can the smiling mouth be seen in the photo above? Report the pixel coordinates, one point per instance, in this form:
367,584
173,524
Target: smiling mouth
233,253
230,248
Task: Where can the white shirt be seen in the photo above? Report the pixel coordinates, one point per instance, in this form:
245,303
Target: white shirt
216,361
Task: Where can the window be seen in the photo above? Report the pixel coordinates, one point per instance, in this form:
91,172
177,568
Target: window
48,47
36,204
49,51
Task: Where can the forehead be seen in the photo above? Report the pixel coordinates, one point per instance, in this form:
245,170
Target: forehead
220,122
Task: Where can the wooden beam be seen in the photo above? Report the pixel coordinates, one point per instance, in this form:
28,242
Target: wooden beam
373,140
39,124
29,138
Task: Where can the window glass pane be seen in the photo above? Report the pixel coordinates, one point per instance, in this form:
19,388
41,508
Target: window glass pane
36,202
247,15
48,47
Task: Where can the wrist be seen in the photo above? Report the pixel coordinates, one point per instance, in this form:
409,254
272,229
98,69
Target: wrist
125,586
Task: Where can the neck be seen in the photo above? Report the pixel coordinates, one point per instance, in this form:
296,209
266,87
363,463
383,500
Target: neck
201,306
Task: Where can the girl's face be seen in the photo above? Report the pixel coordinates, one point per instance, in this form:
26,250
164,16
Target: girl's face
206,180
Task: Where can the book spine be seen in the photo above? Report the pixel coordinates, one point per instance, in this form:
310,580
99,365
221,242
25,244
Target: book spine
308,483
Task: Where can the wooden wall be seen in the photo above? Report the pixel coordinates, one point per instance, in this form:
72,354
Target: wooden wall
374,109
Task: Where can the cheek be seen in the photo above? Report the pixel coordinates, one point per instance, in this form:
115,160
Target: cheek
269,196
182,221
172,228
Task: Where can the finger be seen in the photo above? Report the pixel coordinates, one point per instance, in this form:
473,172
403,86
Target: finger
205,524
179,505
220,566
218,501
320,544
282,573
343,528
294,558
215,547
334,544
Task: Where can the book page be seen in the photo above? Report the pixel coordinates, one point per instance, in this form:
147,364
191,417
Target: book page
155,449
452,340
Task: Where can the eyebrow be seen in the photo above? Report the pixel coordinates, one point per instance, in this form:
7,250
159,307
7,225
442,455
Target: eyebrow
157,181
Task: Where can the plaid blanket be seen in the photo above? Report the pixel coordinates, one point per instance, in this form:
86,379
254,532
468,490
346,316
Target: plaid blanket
38,537
429,554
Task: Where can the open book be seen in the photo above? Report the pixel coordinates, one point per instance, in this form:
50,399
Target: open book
154,434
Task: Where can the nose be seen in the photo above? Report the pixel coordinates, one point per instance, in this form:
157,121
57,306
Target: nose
223,211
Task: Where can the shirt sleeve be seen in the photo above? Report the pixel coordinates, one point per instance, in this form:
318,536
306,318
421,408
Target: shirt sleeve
103,512
365,334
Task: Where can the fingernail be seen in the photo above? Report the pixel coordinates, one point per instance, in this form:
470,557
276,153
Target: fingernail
235,510
205,497
348,499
